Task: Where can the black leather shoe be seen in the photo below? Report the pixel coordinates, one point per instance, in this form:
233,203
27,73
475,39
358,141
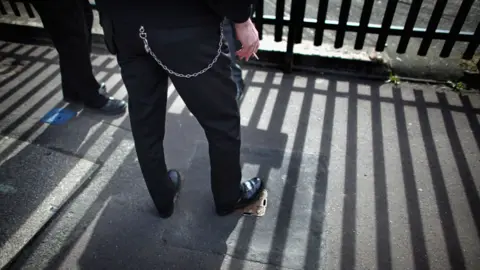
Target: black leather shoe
112,107
176,179
250,193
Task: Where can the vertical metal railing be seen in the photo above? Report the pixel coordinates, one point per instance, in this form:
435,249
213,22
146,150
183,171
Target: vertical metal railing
364,20
321,18
432,26
295,23
386,25
456,27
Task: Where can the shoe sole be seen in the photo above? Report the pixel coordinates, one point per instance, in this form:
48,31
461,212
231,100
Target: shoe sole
259,207
120,110
253,201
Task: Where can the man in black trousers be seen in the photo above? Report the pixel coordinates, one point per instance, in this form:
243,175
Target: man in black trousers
69,24
182,40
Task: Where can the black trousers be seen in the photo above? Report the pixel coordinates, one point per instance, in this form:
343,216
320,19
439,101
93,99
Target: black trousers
69,24
210,97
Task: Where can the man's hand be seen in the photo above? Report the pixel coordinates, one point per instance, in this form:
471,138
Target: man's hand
247,34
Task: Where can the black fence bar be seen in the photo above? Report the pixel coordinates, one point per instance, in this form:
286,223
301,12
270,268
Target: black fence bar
432,26
364,19
409,24
342,23
473,45
321,18
279,14
300,13
386,25
295,20
259,18
456,27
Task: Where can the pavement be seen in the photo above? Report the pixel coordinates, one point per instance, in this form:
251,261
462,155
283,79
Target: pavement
361,175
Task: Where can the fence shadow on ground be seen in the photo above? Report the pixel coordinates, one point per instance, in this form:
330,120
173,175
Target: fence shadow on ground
359,174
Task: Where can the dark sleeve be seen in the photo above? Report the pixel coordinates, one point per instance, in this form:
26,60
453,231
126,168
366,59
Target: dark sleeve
237,11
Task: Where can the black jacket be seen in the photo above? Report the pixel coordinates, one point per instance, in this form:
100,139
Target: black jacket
176,13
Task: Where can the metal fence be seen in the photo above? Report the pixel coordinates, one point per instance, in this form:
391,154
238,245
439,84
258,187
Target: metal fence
296,22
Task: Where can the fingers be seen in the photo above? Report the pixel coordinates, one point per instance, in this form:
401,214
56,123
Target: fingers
247,52
241,54
254,49
248,36
257,46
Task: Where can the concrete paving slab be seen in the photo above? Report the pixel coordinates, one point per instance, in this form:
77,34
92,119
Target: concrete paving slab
364,176
35,183
115,193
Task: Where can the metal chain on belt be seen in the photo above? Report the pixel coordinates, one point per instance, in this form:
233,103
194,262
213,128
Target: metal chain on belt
143,36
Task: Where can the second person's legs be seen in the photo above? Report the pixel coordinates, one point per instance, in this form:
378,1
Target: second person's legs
69,25
66,23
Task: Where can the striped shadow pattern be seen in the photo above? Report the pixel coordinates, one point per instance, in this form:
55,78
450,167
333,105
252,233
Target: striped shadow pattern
362,175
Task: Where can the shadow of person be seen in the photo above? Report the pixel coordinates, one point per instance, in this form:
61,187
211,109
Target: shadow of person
146,243
127,233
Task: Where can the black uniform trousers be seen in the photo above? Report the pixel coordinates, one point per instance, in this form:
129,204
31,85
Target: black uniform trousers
209,96
69,24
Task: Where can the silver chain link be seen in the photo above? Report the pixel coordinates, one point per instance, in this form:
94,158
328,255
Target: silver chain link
143,36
